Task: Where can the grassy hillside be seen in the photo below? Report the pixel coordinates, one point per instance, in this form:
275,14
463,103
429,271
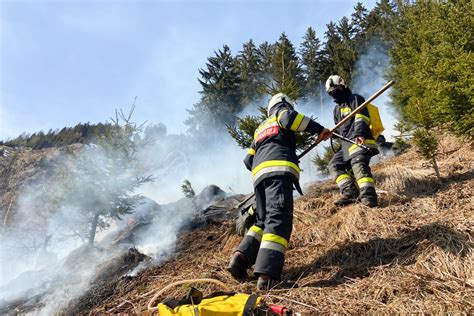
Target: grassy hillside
411,254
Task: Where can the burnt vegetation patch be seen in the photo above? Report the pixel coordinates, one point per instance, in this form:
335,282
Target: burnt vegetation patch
414,254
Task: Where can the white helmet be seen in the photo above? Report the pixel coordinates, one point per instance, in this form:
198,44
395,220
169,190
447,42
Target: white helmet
279,98
334,81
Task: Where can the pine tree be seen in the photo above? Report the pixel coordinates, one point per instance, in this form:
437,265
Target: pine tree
265,52
249,64
286,70
98,183
432,64
310,59
346,53
220,95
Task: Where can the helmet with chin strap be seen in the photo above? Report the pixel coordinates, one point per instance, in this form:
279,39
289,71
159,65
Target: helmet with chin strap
277,99
333,82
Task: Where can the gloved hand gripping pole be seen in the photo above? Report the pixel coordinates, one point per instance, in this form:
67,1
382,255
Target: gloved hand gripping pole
344,120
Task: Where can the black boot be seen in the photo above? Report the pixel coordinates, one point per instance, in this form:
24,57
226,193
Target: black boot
368,197
349,196
238,266
265,282
345,200
369,201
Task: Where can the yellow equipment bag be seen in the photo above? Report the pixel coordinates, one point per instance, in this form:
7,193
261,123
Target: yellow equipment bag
218,304
376,125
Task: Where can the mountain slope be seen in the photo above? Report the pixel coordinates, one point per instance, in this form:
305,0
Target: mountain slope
411,254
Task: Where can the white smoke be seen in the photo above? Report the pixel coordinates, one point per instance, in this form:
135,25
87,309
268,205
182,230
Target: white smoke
35,256
38,254
197,160
370,75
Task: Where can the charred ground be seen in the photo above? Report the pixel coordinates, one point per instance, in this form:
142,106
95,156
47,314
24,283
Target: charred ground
413,253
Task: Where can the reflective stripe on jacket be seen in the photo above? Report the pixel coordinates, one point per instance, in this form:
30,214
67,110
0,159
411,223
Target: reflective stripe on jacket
273,150
359,125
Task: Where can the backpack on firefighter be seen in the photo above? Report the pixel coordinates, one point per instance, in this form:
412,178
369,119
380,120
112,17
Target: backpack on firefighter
246,210
376,125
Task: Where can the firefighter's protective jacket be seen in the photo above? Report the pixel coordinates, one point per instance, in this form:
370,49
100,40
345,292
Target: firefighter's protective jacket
273,149
357,126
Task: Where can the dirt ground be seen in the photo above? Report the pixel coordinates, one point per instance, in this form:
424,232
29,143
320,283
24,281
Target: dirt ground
413,253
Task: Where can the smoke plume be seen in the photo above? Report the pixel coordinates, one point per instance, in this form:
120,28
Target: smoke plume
43,257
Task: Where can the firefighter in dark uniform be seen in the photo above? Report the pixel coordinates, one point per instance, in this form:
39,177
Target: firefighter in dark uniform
274,164
349,166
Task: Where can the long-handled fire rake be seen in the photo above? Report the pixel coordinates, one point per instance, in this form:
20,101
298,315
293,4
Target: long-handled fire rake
351,141
316,143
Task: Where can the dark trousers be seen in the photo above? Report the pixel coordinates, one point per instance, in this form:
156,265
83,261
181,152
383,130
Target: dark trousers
353,173
266,242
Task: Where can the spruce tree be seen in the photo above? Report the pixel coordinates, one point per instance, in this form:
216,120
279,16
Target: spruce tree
330,50
404,130
220,95
249,64
432,64
359,25
98,183
187,189
426,143
381,20
359,18
346,52
243,131
265,52
321,161
286,72
310,60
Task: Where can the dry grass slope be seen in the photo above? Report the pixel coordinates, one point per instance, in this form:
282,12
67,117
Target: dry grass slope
414,253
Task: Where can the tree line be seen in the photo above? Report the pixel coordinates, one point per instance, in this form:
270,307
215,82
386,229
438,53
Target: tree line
82,133
430,47
432,62
230,82
430,44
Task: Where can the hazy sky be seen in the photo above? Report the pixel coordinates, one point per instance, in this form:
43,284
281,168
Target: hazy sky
65,62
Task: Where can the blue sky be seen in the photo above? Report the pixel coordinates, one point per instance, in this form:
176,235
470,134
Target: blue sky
65,62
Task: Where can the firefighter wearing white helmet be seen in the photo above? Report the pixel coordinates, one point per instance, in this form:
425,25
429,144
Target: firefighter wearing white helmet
277,99
333,82
358,184
273,162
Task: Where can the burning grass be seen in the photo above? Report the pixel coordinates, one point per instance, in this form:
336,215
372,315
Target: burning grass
411,254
